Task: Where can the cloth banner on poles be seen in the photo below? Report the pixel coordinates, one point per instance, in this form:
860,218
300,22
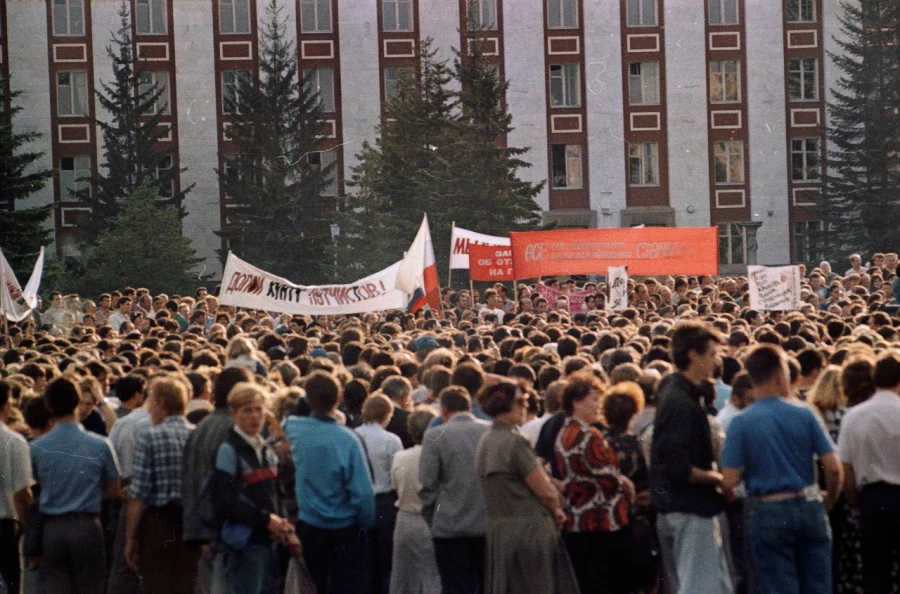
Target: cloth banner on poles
652,250
576,298
490,263
418,275
15,302
618,288
244,285
461,239
775,288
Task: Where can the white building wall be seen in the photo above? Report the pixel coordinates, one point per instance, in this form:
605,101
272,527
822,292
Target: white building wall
198,149
28,66
360,76
526,97
686,97
605,120
767,127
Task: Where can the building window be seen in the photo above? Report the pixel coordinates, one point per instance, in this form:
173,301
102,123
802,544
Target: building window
805,161
73,174
151,17
562,14
397,15
565,85
801,11
482,15
71,93
643,83
391,83
641,13
803,80
808,237
566,166
723,12
724,81
321,81
234,16
732,243
68,17
151,83
729,158
233,84
643,164
315,16
321,161
164,177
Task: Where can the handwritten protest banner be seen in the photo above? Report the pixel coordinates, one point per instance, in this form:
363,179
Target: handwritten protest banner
461,239
576,298
490,263
244,285
651,250
618,288
775,288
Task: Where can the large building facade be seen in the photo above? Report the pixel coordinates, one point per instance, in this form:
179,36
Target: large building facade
654,112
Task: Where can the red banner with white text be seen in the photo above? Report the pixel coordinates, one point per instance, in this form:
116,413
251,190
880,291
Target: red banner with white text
490,263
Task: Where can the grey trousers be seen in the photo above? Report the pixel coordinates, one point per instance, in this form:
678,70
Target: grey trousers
694,554
73,559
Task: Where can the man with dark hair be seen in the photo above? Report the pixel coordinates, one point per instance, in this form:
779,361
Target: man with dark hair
76,470
122,313
771,446
452,500
334,488
398,389
15,493
684,483
130,391
812,362
869,443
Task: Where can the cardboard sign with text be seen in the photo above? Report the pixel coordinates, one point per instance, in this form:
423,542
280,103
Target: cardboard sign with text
490,263
774,288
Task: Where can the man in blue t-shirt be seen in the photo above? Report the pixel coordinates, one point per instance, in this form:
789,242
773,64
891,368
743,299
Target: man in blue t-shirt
771,447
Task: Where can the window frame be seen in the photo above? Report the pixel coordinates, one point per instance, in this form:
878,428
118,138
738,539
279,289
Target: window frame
68,6
312,76
734,231
805,154
648,177
234,5
163,103
642,18
481,9
567,160
643,83
315,6
160,8
810,4
728,156
326,158
801,77
158,173
722,77
71,94
722,4
396,16
569,72
561,6
802,230
236,84
66,192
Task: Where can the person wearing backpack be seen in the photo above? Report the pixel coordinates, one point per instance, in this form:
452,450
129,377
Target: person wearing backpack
245,499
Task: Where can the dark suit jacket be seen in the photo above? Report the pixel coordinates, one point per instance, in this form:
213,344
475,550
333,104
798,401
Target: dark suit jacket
397,426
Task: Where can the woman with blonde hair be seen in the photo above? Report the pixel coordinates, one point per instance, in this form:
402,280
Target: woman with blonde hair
828,398
241,352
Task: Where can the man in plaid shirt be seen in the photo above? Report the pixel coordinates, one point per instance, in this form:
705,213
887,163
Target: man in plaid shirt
154,547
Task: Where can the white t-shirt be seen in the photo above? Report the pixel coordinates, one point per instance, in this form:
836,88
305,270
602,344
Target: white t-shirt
498,312
15,461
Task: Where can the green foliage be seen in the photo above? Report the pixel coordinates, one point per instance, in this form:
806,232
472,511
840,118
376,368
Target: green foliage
861,201
131,155
439,152
22,231
141,246
280,217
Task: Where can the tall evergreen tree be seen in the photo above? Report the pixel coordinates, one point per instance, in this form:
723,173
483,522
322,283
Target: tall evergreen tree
22,231
276,178
131,135
861,201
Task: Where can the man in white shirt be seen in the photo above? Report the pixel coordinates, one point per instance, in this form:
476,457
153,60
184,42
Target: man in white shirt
122,313
869,446
492,305
15,494
856,266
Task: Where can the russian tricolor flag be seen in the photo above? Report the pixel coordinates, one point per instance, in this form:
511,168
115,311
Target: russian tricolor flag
418,276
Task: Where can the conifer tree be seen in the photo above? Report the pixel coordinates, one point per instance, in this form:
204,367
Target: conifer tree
22,230
863,180
276,179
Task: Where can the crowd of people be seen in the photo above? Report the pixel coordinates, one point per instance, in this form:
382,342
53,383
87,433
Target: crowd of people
684,444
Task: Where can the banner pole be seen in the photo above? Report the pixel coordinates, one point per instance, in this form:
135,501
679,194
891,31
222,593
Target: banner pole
450,263
472,291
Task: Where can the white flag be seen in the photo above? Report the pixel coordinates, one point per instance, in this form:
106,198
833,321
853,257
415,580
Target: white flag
459,245
412,268
15,302
618,288
775,288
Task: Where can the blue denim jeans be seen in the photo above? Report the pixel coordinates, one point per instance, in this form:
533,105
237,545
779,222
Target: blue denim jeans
790,542
251,570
